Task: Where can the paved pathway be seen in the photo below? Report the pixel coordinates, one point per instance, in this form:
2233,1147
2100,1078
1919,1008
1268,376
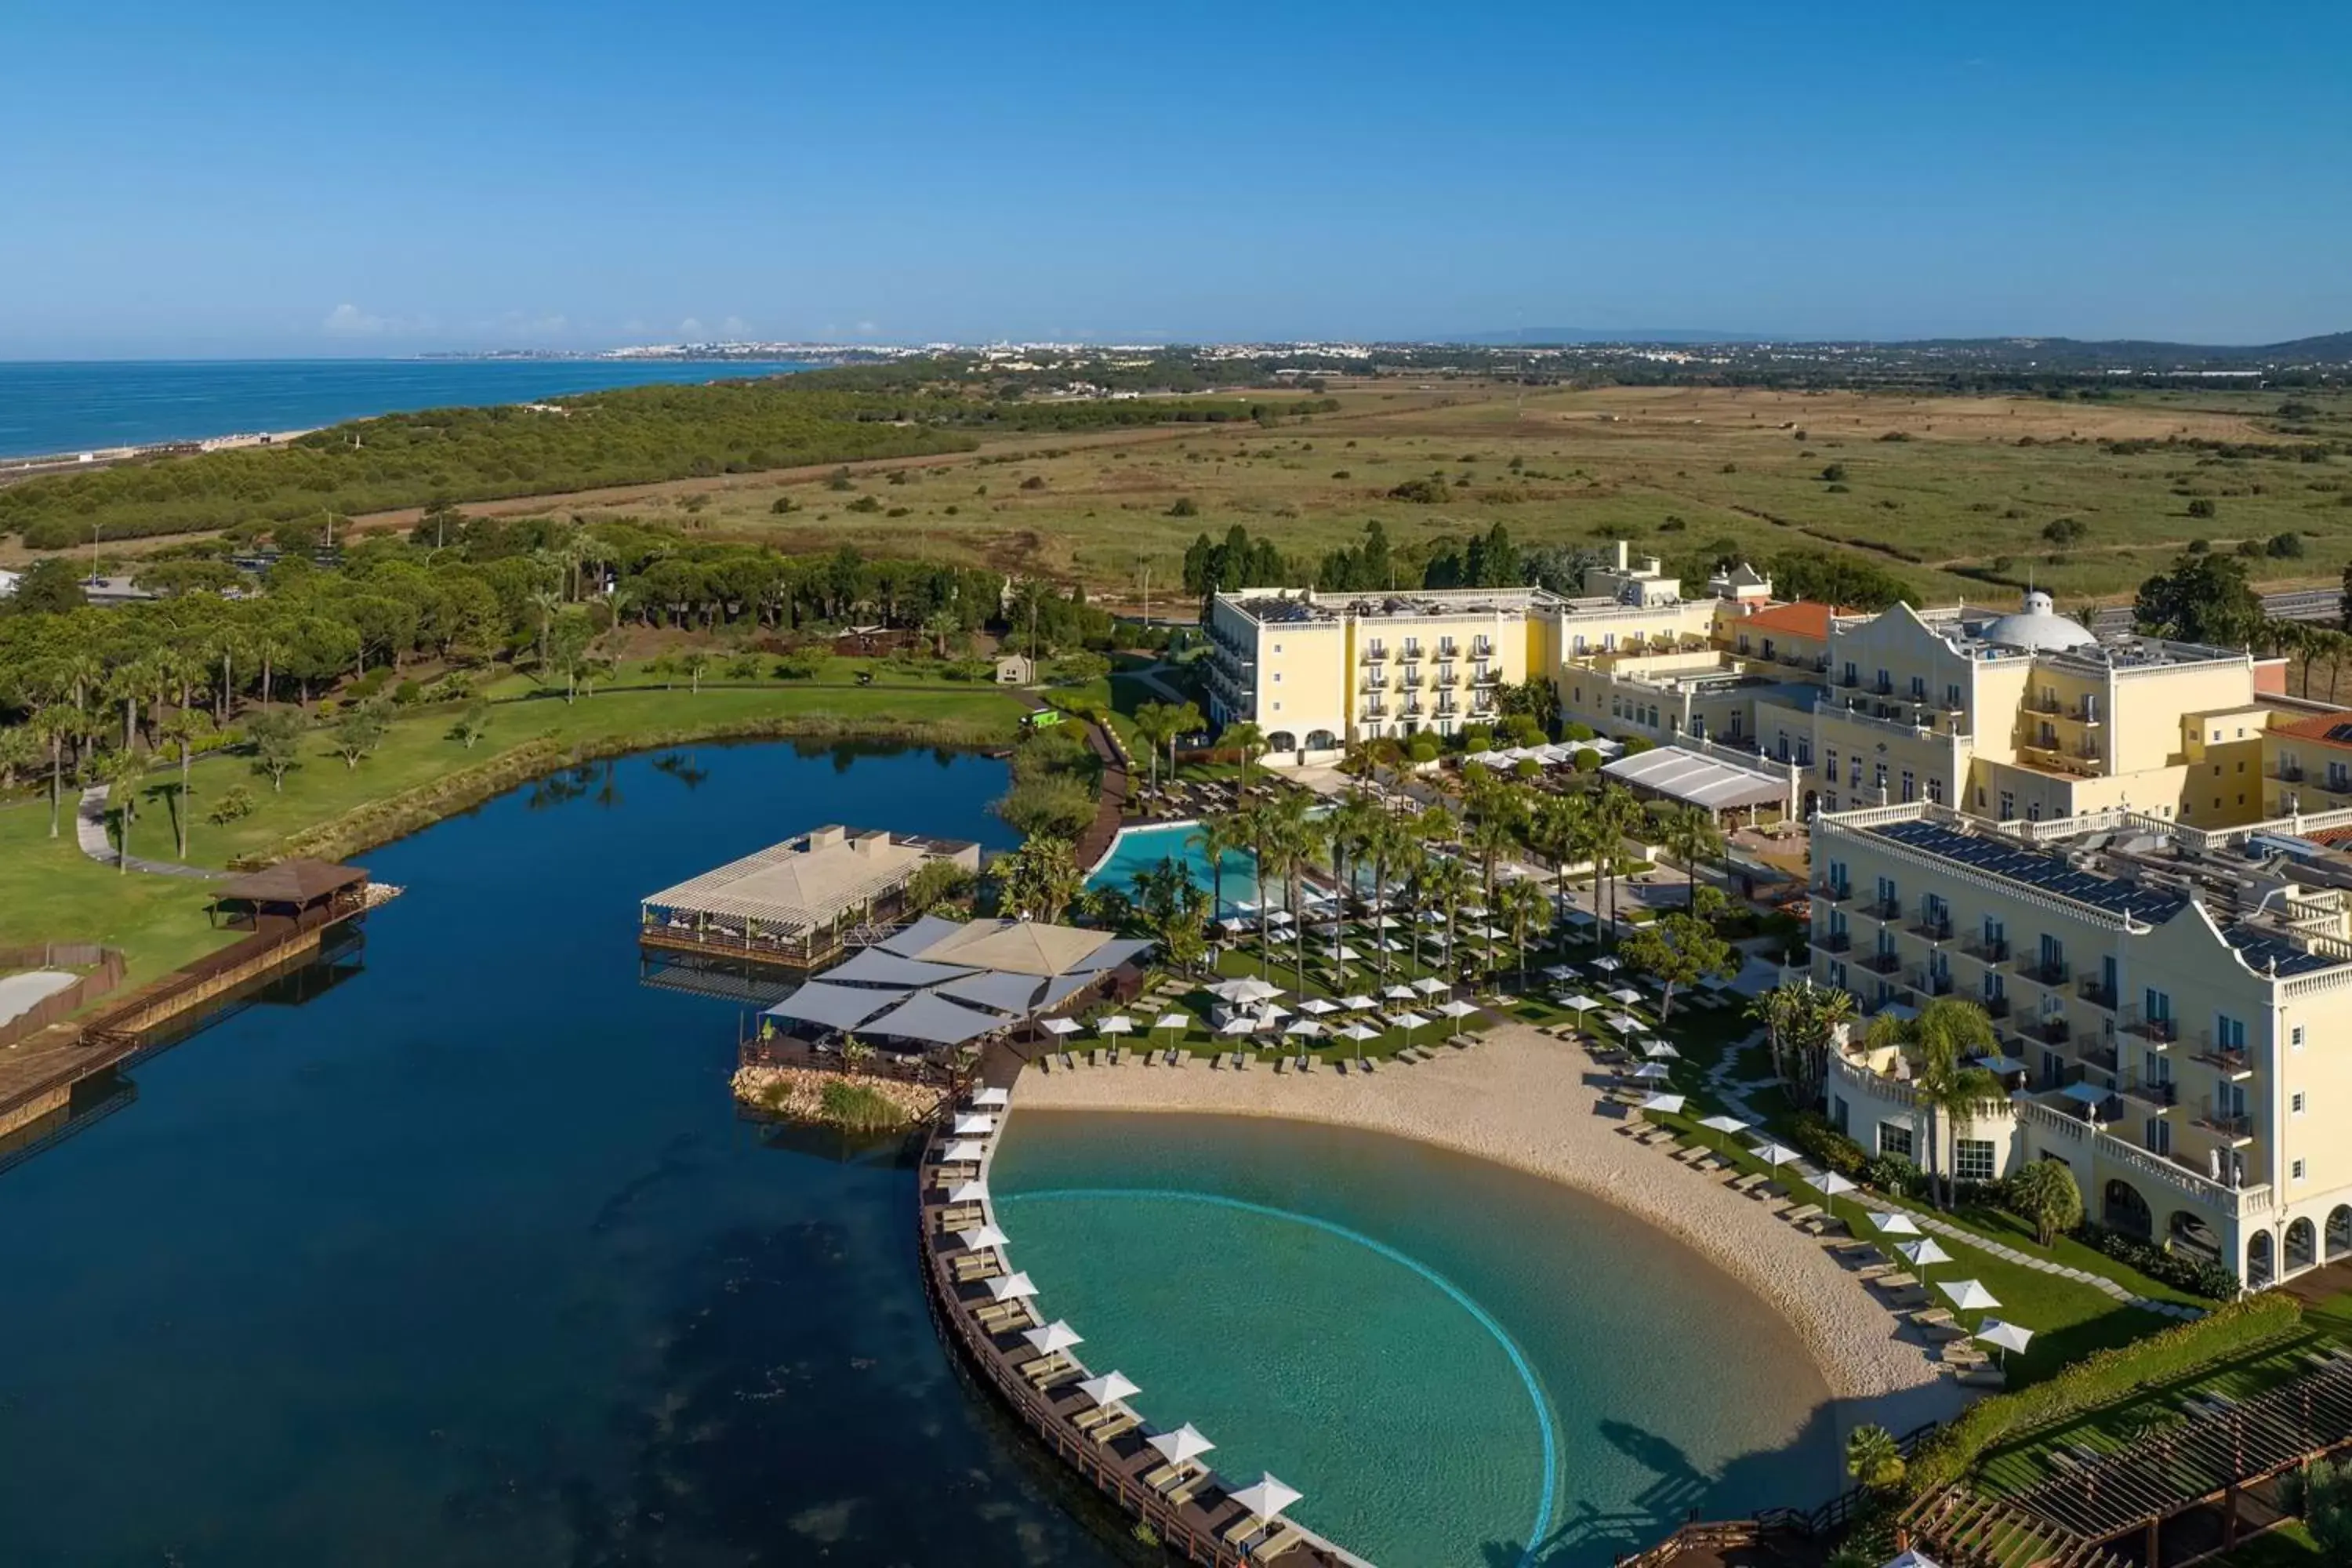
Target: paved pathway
1734,1092
89,831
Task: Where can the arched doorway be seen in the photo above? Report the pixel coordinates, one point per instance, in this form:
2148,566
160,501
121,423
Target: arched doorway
1322,740
2124,1209
1281,741
2302,1245
2261,1261
2188,1232
2339,1232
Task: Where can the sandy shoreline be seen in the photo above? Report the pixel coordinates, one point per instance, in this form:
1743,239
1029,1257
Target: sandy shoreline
1522,1099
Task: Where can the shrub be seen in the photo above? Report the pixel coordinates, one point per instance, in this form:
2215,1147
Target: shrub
1586,760
1424,748
1184,506
860,1107
2199,1277
1637,744
783,505
2201,507
1574,730
1034,482
1422,492
232,807
407,694
2285,546
1835,473
1813,1135
2199,546
864,503
2044,1195
840,480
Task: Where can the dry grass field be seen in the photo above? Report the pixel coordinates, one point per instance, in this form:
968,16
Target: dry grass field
1935,487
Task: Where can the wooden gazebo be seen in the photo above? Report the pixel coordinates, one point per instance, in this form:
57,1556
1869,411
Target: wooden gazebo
289,896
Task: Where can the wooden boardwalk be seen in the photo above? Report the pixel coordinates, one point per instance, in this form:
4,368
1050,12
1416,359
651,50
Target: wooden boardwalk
1206,1526
1110,806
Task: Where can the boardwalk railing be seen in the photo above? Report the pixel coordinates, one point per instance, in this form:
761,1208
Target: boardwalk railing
63,1004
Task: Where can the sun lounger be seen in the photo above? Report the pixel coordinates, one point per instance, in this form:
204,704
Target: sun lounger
1984,1377
1896,1279
1282,1541
1740,1183
1241,1061
1037,1369
965,1218
1092,1416
1181,1492
1118,1425
1801,1213
1281,1065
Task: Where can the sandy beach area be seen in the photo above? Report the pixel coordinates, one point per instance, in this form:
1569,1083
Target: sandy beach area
1522,1099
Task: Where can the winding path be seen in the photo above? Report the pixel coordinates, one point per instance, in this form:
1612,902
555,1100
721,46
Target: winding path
89,831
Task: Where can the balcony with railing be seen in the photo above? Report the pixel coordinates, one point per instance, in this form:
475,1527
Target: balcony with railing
2157,1031
1883,963
1410,679
2159,1095
2095,1052
2084,761
1377,680
1988,950
2173,1171
1833,893
1485,677
1996,1008
1929,982
2226,1122
2051,972
1447,677
2047,1028
1932,926
2230,1061
1883,908
2094,989
1376,654
1834,941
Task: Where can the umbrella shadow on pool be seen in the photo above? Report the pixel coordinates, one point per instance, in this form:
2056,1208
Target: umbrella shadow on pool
1676,1492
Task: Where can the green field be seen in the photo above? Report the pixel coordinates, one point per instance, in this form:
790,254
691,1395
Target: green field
50,892
1972,481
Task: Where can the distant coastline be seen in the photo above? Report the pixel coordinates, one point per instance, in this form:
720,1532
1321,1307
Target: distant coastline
53,412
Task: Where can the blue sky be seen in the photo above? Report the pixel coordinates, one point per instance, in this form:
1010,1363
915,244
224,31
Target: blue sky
261,178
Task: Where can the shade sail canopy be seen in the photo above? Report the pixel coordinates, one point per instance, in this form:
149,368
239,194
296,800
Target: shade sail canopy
1431,985
1172,1021
1110,1386
1303,1027
1055,1336
1698,778
1116,1023
1239,1023
1893,1222
1777,1155
1266,1497
1649,1072
2000,1064
969,1193
1012,1287
2005,1336
964,1151
934,1020
1970,1296
1456,1009
972,1124
1357,1003
1580,1004
1627,994
911,939
1182,1444
993,1097
981,1236
1924,1253
1406,1020
1017,947
834,1007
1319,1006
1669,1103
1724,1124
1625,1023
872,966
1659,1050
1245,989
1607,966
1063,1025
1832,1184
1111,955
1012,994
1360,1033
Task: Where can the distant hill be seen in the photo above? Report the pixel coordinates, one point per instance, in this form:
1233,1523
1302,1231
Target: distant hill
2334,348
1552,337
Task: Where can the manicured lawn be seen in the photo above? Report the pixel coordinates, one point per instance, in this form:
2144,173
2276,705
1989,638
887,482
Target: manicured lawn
50,892
2288,1546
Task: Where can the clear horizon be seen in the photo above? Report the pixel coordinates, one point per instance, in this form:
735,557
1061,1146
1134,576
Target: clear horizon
196,186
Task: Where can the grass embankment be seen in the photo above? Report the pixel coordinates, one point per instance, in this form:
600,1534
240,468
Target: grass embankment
49,891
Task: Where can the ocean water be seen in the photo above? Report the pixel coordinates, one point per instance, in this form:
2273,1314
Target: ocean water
49,406
468,1260
1456,1363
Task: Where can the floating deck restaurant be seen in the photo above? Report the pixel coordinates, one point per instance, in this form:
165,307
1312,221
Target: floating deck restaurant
799,903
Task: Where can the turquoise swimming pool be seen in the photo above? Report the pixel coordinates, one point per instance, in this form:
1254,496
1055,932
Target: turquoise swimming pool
1142,848
1455,1361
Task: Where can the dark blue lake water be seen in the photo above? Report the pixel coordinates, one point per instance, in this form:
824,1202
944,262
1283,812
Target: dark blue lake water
468,1260
83,406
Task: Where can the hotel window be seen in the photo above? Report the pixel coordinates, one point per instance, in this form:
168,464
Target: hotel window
1894,1139
1972,1159
1952,696
2297,1103
2294,1040
1829,763
1277,648
1854,771
2298,1170
1919,687
2008,806
1935,791
1910,785
1277,678
1878,776
1768,646
1804,753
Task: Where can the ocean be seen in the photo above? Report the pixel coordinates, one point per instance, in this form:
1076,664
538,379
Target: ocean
87,405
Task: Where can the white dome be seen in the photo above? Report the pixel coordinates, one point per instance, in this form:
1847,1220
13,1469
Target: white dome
2038,628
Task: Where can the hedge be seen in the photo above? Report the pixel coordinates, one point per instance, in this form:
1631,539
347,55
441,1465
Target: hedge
2096,1380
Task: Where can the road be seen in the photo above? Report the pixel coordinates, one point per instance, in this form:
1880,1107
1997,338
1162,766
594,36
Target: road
2297,604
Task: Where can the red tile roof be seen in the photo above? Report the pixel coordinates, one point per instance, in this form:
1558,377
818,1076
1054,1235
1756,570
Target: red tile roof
1801,617
2328,729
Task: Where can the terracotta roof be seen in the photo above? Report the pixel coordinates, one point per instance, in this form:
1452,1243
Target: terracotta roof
291,882
2328,729
1801,617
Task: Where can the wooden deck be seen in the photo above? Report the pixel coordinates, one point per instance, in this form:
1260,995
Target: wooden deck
1197,1529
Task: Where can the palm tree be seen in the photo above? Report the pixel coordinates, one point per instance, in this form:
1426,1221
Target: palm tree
1615,813
1251,739
1287,840
1217,836
1556,834
1944,1083
184,730
1156,722
1489,834
1446,882
1872,1456
1350,828
1691,835
123,773
1521,904
57,724
1408,856
127,684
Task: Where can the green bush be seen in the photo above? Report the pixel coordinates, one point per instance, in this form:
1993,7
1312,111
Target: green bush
408,694
858,1107
1573,730
232,807
1813,1135
1586,760
2197,1276
2172,1354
